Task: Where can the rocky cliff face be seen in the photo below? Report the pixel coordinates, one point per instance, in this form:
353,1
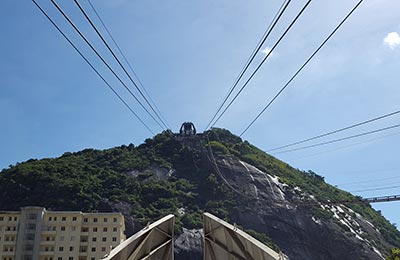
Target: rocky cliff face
293,211
279,211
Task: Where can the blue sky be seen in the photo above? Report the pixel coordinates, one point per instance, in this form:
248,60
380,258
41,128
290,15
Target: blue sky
187,54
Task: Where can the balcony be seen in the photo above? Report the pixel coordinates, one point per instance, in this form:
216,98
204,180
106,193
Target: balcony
45,242
49,232
14,232
9,243
44,252
8,253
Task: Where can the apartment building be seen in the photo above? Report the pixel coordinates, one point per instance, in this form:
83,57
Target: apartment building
37,234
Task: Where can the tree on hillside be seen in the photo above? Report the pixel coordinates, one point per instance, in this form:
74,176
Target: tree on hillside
394,255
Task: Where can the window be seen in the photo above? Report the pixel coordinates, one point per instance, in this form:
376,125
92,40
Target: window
55,218
28,247
62,238
94,239
74,218
61,249
104,239
72,238
115,229
1,218
71,248
95,220
31,226
73,228
105,219
62,228
59,258
103,249
15,218
85,229
47,238
115,220
105,229
63,218
114,239
71,258
50,218
85,220
9,218
93,249
92,258
32,216
95,229
30,236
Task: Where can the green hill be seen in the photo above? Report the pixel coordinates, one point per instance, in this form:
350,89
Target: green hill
215,172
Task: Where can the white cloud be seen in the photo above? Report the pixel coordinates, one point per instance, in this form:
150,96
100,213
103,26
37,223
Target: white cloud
392,40
266,50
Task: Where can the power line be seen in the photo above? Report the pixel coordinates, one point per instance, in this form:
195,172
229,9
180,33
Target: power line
346,146
126,60
336,131
90,64
368,181
262,62
102,59
380,188
266,34
302,67
117,59
341,139
355,201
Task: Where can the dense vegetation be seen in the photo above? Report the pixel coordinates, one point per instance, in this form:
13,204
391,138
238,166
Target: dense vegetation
394,254
92,180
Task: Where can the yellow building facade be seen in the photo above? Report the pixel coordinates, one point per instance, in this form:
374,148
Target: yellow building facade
37,234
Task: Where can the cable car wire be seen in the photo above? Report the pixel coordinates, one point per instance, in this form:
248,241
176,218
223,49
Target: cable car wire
265,36
340,139
302,67
346,146
263,61
118,60
379,188
127,61
103,60
368,181
91,65
336,131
